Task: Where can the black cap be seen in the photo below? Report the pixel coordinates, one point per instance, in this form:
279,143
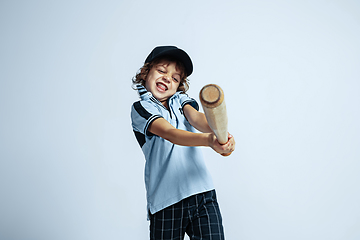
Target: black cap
173,52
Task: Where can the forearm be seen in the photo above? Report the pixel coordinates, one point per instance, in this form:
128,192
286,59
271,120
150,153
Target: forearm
164,129
186,138
197,119
201,124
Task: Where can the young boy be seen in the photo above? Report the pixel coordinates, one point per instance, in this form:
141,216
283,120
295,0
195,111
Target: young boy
180,192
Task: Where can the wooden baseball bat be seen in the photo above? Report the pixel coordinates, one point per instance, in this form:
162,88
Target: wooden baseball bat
213,103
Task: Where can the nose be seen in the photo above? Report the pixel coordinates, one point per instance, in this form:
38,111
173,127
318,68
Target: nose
166,78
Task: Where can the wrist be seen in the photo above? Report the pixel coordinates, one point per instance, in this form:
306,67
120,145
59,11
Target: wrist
210,139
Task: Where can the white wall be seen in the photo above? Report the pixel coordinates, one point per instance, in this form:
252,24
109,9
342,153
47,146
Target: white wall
70,167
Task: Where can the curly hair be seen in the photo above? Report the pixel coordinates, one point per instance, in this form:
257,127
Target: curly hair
144,71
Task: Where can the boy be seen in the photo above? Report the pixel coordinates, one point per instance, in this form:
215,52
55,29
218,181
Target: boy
180,192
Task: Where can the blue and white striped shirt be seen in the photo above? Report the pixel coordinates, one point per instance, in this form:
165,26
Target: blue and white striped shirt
172,172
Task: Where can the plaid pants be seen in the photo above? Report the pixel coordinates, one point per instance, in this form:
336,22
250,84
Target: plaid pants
198,215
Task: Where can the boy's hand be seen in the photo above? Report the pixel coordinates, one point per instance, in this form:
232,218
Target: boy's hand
223,149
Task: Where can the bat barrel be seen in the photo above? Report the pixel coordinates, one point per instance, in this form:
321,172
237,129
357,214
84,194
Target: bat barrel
212,100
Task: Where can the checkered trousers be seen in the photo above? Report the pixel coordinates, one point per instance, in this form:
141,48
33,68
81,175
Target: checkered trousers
198,215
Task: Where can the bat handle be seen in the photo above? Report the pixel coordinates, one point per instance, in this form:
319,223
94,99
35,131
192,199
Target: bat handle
226,154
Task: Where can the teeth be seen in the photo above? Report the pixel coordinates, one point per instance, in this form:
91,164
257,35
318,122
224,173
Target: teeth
162,86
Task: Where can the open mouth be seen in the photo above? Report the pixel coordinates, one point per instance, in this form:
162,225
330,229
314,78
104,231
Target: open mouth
162,87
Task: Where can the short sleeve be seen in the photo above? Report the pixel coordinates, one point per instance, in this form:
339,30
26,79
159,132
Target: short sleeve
185,99
142,115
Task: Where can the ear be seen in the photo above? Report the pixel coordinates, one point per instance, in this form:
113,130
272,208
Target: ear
181,87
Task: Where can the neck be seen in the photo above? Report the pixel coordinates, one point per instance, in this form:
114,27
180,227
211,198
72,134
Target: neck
165,103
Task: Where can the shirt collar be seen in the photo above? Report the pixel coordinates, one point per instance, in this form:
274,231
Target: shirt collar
142,91
145,94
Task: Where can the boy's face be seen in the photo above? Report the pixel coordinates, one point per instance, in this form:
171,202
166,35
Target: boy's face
163,80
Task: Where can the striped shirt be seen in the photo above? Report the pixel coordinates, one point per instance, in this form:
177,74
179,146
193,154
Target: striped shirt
172,172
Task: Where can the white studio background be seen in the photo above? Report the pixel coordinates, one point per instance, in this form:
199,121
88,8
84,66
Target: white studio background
70,167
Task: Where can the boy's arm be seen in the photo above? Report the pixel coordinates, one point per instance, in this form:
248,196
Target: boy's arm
164,129
196,119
